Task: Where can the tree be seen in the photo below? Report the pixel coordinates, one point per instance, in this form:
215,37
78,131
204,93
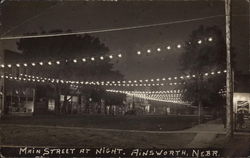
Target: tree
65,49
200,57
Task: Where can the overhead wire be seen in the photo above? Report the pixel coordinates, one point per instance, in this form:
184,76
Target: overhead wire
111,29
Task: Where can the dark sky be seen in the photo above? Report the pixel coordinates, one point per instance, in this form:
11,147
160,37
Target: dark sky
82,16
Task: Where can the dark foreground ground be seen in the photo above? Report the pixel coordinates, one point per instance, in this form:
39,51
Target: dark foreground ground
154,123
125,132
77,133
37,136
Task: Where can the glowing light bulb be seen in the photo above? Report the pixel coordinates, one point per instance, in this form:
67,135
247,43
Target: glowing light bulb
178,46
83,59
168,47
2,66
57,62
149,51
9,65
49,63
119,55
101,57
92,58
111,57
158,49
75,61
210,39
25,65
199,42
138,52
18,65
41,63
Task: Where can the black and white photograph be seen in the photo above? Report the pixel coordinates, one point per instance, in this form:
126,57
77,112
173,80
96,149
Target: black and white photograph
125,78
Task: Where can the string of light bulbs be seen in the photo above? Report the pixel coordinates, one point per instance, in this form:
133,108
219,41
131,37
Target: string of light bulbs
174,98
27,78
154,94
150,94
92,59
130,83
176,46
59,62
175,91
96,83
157,98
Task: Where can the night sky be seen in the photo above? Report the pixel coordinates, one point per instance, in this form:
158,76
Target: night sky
83,16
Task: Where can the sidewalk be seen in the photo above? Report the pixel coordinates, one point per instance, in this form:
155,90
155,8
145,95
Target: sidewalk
212,133
213,126
206,133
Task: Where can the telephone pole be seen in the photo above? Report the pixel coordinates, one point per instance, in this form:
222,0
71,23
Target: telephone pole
229,84
249,30
2,92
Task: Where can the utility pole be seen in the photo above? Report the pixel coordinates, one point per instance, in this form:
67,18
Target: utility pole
249,30
2,91
229,84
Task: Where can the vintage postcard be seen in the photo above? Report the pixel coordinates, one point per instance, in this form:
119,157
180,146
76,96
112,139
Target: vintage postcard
125,78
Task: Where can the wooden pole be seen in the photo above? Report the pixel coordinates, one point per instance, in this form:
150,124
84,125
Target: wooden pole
229,98
2,87
249,30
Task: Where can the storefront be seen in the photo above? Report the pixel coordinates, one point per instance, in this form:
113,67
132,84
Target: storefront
20,101
241,102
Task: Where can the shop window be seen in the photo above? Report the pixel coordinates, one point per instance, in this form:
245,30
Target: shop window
75,99
51,105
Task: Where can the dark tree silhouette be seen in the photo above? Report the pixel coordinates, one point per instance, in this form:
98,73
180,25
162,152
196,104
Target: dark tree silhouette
66,49
200,58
